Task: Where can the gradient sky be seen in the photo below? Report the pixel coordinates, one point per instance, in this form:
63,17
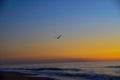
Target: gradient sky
90,29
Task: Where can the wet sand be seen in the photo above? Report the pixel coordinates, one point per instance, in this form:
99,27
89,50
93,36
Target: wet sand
20,76
24,76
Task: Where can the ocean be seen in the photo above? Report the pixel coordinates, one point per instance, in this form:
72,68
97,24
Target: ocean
70,70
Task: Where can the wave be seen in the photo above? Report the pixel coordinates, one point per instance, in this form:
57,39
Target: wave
55,69
61,72
112,66
64,72
84,75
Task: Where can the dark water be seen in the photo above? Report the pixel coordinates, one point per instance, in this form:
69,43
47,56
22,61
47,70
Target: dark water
71,71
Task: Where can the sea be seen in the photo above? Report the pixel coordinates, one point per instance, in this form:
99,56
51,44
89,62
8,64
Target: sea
70,70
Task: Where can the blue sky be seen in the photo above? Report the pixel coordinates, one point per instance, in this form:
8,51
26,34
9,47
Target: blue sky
28,19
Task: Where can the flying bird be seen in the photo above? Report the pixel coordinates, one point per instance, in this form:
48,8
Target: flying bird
59,36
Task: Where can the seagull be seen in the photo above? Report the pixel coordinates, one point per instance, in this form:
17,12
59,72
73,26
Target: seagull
59,36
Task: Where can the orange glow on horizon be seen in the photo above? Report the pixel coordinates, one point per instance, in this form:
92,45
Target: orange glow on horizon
65,50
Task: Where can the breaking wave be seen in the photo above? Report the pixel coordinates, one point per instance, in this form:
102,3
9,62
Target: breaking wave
65,72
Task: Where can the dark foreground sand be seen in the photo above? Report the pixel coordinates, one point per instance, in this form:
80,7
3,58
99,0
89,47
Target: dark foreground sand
23,76
20,76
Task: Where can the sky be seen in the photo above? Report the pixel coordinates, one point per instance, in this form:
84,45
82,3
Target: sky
90,30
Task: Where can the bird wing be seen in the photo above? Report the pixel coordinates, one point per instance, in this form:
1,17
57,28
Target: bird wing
59,36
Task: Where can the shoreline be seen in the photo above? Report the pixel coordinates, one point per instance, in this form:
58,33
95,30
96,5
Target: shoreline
20,76
11,75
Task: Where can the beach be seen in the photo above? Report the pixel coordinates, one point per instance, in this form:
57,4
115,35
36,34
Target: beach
62,71
24,76
20,76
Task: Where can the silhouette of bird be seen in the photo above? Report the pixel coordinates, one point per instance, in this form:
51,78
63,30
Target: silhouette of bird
59,36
